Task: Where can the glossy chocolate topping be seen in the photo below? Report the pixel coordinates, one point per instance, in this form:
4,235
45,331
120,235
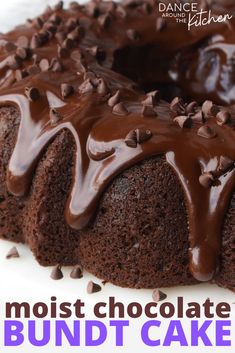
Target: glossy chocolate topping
59,70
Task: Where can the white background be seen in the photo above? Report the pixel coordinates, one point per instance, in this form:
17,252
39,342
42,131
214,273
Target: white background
24,280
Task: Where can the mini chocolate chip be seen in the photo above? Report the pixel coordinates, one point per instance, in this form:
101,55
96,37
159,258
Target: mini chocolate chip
22,53
102,87
206,132
177,106
104,21
51,28
223,117
183,121
158,295
66,90
120,109
56,273
191,107
12,253
86,87
148,110
160,24
93,288
77,272
206,179
9,46
142,135
225,163
152,98
32,93
133,34
209,109
130,139
44,65
114,99
55,116
63,52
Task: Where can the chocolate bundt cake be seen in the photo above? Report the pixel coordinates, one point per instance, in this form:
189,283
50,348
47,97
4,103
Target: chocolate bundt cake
117,142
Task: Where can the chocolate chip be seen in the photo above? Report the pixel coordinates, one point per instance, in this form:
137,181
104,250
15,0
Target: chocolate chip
12,253
152,98
148,110
191,107
68,43
97,52
120,109
36,41
72,23
209,109
63,52
66,90
20,74
121,11
55,116
198,116
23,42
9,46
133,34
130,139
102,87
223,117
92,9
206,179
160,24
77,272
225,163
86,87
56,273
32,93
183,121
158,295
206,132
93,288
114,99
51,28
143,135
56,65
14,62
59,6
33,69
104,21
44,65
55,19
177,106
22,53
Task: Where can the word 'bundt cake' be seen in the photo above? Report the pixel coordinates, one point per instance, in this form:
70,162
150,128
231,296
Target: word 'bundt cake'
96,167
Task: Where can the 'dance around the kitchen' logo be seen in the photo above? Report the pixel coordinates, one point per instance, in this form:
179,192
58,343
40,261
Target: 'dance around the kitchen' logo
190,13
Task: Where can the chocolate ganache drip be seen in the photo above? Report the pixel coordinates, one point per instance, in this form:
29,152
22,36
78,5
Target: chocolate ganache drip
58,70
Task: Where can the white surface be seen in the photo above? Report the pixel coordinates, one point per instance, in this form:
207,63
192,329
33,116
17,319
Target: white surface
24,280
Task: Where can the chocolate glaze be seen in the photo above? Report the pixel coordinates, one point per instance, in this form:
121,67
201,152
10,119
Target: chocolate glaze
199,61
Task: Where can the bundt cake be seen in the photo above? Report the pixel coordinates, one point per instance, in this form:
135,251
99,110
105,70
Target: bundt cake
117,142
